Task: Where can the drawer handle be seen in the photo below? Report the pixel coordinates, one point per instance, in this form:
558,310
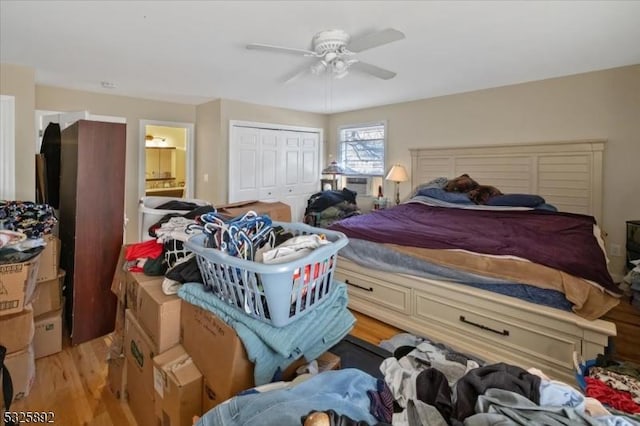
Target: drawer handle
484,327
359,286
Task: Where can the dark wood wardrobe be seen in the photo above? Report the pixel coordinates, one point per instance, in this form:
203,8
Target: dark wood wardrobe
92,164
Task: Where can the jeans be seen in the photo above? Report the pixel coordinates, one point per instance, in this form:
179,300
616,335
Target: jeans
344,391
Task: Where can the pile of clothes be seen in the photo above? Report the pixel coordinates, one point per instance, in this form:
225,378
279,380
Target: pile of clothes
614,383
435,385
23,224
424,385
166,254
326,207
33,220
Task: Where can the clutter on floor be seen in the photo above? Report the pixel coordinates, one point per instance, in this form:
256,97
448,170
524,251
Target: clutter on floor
31,285
219,301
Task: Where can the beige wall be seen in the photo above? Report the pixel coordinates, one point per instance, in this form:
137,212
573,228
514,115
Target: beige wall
604,104
207,153
134,110
19,82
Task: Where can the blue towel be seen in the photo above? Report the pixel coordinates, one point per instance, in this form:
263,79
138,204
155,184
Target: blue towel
273,349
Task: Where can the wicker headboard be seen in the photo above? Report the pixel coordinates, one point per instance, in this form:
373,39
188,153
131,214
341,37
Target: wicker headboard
568,174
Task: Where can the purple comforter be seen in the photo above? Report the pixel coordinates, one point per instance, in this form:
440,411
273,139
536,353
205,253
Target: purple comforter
563,241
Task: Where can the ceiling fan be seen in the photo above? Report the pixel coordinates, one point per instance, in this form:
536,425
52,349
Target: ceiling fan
334,52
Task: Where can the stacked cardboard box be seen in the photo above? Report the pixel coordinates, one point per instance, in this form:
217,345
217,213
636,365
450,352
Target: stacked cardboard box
48,301
220,355
277,211
20,333
147,366
172,360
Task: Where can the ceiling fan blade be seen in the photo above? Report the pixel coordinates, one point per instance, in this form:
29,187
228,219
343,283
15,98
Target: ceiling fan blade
373,70
374,40
298,72
271,48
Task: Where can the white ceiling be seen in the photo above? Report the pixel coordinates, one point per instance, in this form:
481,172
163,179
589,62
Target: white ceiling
193,52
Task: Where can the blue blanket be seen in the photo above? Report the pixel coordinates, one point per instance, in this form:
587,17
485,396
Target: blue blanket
273,349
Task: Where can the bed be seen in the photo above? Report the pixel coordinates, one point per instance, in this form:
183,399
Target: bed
494,326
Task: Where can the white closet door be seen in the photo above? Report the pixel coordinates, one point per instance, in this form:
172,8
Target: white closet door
292,142
309,163
268,182
244,170
274,165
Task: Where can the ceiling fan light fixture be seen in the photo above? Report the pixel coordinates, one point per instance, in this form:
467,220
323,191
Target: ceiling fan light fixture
335,49
340,74
330,56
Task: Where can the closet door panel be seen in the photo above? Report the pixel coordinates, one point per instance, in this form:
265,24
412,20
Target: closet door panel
269,166
292,143
309,164
244,166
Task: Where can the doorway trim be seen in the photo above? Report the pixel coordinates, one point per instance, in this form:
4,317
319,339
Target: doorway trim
189,154
8,147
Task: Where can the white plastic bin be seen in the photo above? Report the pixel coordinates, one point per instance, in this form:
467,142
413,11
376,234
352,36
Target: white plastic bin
149,214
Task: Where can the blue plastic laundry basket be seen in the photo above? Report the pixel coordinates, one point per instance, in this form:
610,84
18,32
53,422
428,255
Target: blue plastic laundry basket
276,294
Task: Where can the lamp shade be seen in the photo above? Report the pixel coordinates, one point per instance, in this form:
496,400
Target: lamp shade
397,174
333,169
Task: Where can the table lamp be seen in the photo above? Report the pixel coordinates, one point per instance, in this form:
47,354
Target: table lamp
333,169
397,174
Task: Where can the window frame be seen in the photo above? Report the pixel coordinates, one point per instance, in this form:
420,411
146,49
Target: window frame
382,123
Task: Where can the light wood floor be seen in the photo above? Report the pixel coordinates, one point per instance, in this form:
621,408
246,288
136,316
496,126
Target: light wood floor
72,383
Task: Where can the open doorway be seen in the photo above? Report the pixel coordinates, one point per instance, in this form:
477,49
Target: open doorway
166,164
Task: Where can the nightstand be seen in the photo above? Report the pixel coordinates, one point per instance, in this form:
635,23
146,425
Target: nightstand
380,203
633,242
627,320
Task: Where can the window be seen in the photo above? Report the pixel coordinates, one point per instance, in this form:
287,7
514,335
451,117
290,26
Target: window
361,149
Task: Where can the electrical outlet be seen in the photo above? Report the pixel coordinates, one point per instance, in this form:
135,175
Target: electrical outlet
615,250
206,177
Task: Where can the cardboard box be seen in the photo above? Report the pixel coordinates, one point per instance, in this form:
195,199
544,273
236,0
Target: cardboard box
48,335
17,285
218,353
159,315
117,376
178,386
48,295
139,351
116,348
277,211
49,259
119,281
328,361
139,396
132,287
17,330
22,367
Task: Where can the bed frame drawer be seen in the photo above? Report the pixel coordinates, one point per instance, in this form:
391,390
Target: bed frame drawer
494,327
498,330
389,295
